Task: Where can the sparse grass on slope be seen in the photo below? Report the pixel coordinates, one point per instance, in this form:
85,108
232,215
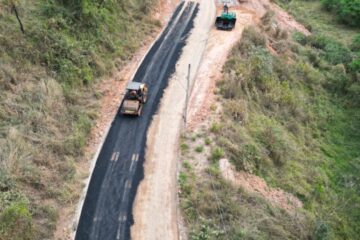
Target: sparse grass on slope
47,99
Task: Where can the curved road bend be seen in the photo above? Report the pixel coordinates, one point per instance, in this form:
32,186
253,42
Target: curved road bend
107,209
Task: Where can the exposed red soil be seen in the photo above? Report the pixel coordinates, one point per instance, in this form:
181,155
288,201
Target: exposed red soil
255,184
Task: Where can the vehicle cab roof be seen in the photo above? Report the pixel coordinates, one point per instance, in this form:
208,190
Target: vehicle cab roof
134,86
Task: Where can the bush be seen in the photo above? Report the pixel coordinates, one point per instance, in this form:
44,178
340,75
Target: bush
199,149
16,222
347,11
336,53
322,231
216,154
355,45
299,37
333,51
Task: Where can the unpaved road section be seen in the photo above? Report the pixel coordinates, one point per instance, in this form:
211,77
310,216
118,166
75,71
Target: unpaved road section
107,209
155,208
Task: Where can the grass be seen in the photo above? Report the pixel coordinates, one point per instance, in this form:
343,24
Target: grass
207,141
48,100
239,215
293,116
319,21
199,149
292,119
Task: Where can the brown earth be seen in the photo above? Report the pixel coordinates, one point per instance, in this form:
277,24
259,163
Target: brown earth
255,184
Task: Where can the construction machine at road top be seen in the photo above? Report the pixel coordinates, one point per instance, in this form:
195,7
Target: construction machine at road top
227,20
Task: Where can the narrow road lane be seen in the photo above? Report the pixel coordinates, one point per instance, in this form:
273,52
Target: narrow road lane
107,210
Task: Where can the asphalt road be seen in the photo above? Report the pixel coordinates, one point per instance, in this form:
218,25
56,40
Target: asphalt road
107,210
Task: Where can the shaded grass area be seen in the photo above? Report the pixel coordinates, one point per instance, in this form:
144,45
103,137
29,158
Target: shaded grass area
48,101
294,119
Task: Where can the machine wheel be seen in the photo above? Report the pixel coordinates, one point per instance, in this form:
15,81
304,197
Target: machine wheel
139,112
145,95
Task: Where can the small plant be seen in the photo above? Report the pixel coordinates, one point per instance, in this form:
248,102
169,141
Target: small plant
187,165
184,147
215,127
207,141
199,149
216,154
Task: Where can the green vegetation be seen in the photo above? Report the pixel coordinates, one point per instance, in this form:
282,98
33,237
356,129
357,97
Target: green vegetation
313,16
294,120
347,11
48,99
199,149
214,209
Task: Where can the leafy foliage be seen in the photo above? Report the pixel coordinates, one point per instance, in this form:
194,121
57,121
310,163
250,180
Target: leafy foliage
348,11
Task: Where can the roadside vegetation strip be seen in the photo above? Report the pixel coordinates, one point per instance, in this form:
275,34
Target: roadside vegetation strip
292,119
48,103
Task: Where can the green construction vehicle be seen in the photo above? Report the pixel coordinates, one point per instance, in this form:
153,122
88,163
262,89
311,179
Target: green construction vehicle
227,20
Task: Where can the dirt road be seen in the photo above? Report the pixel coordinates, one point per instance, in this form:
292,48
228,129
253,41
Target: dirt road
155,209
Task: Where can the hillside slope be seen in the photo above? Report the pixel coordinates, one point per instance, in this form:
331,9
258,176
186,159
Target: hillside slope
288,123
48,99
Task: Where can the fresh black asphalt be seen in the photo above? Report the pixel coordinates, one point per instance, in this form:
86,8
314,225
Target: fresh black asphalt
107,209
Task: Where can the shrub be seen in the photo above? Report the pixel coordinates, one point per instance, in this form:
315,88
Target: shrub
355,45
184,147
322,231
347,11
251,37
336,53
199,149
237,110
215,127
216,154
299,37
333,51
16,222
